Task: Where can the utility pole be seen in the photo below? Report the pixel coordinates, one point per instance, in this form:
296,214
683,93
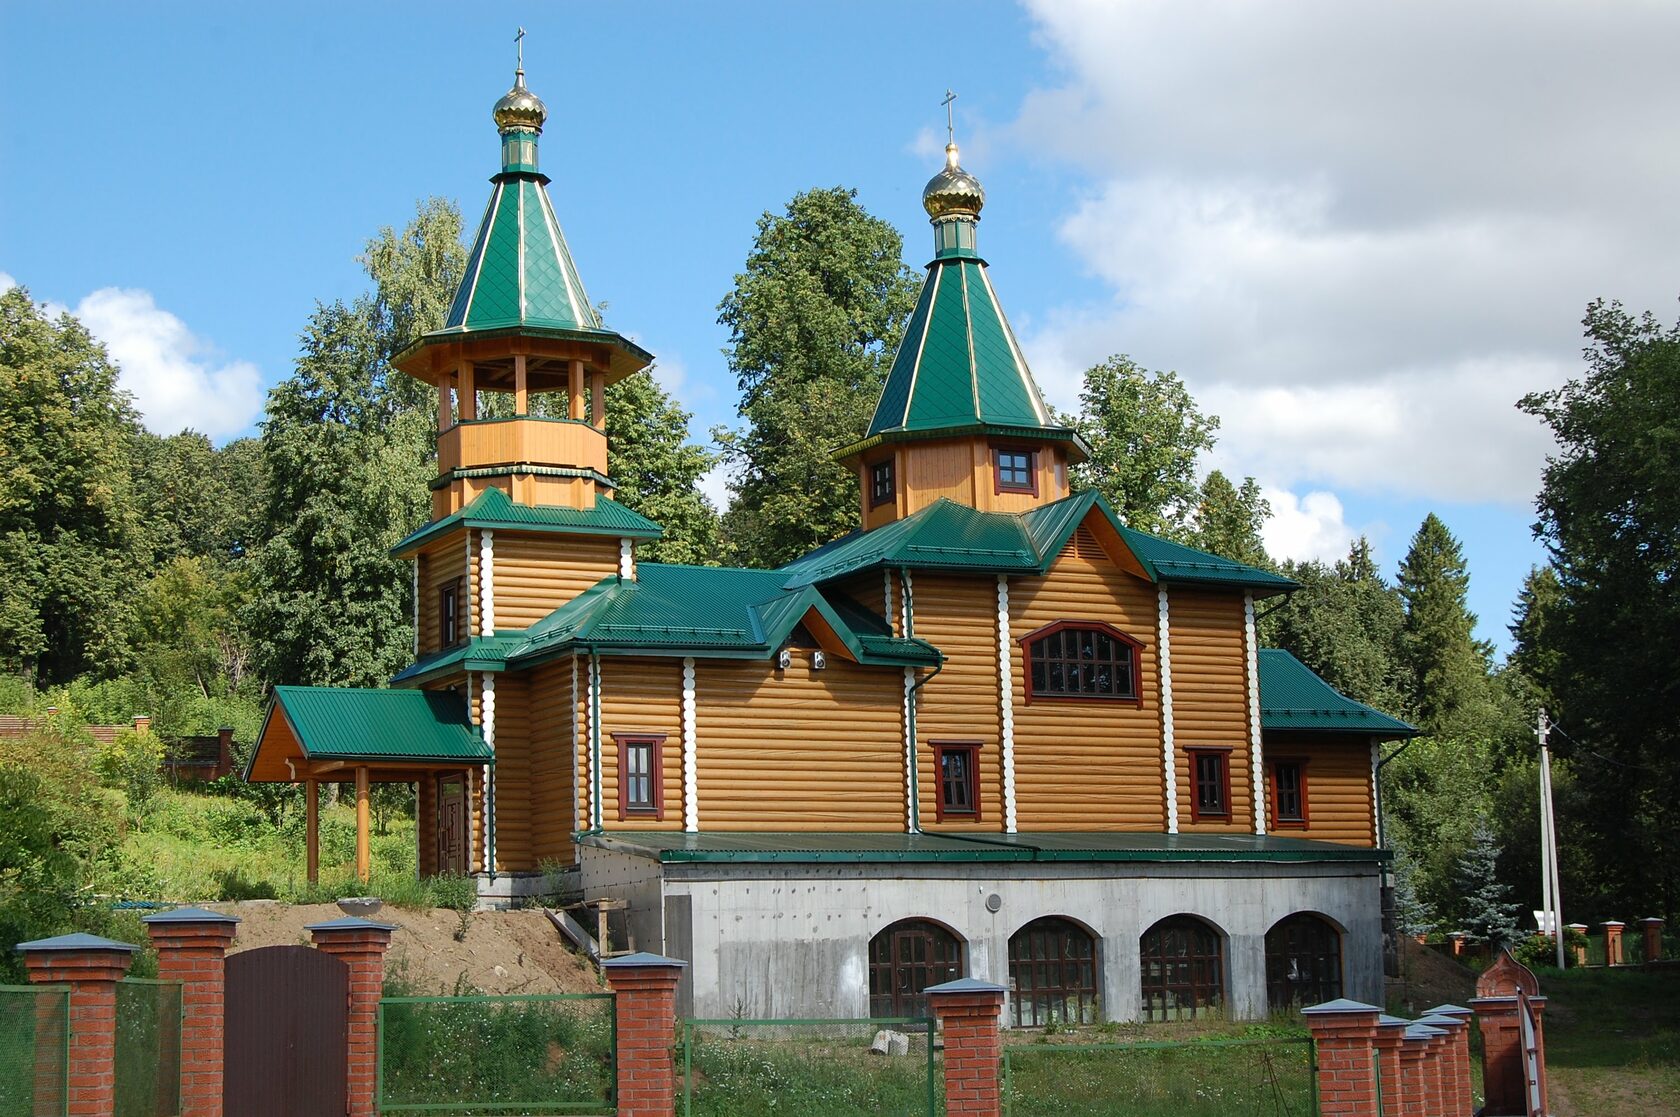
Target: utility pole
1548,837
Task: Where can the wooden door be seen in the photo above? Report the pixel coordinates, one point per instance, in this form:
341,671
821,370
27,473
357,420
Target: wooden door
287,1010
452,825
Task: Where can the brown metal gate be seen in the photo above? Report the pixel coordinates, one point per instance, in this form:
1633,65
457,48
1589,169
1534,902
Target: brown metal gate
287,1013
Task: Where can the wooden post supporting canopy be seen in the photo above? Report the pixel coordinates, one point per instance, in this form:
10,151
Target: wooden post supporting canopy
521,392
574,390
467,405
312,831
598,401
446,406
364,862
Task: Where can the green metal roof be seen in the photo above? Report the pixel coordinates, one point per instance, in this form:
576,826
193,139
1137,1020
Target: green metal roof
1293,697
520,271
853,848
708,611
348,723
482,653
492,509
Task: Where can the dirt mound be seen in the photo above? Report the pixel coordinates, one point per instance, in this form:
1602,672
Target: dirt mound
1428,978
503,952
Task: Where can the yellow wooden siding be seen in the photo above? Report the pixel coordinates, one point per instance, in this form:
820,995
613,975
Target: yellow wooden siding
958,616
800,749
1210,697
1338,779
939,469
868,589
514,849
538,573
426,823
442,564
642,696
1087,765
552,795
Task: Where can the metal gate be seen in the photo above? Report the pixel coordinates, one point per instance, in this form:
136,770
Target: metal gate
287,1014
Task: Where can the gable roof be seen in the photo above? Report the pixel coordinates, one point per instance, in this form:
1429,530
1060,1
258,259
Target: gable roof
377,726
493,509
1292,696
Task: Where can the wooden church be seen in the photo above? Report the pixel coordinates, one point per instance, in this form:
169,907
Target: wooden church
995,733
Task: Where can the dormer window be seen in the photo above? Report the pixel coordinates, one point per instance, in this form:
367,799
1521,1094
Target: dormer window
881,489
1015,471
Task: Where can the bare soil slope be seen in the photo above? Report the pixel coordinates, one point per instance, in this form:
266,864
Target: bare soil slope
503,952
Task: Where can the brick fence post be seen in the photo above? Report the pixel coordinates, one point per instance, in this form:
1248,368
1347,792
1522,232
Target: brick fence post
1653,937
91,967
1578,950
192,948
1414,1053
1613,942
361,944
645,1008
1345,1033
1502,991
1460,1100
1391,1033
969,1012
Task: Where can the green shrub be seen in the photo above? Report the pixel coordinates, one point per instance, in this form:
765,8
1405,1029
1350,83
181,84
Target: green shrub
133,764
233,884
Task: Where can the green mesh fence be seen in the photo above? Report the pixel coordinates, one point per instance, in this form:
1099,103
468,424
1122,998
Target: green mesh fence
813,1068
537,1054
148,1056
34,1050
1209,1078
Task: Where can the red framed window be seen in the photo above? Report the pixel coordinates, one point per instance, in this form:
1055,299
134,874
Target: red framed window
449,614
1210,774
1289,794
1082,661
958,765
641,775
1014,470
881,489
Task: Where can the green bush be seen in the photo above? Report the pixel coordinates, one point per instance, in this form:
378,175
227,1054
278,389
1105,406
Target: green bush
133,764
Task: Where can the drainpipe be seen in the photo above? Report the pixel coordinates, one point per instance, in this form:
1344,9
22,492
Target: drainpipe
595,826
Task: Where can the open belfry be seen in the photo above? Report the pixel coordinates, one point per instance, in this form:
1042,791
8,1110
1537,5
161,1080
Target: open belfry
994,733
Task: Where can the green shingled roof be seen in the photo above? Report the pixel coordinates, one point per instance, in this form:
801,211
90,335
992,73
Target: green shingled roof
1293,697
493,509
482,653
708,611
346,723
520,272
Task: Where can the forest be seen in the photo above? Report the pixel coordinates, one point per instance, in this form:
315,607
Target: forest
169,576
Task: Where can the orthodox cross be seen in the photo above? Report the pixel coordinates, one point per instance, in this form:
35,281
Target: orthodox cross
950,117
519,41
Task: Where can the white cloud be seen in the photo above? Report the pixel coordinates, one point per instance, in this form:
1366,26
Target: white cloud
6,282
671,374
1360,233
1310,526
175,376
715,484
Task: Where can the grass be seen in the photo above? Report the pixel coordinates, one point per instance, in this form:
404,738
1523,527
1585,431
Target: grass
752,1069
1613,1040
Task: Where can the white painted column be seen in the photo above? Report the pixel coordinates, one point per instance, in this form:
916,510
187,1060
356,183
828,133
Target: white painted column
909,751
578,821
487,585
1169,767
487,704
416,610
690,747
1006,706
1376,804
467,624
887,606
1257,768
627,559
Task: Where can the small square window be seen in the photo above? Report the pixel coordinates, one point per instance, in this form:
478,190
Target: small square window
1289,793
1211,769
640,776
1015,471
959,780
880,483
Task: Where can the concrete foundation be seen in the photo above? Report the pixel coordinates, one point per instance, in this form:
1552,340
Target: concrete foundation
792,940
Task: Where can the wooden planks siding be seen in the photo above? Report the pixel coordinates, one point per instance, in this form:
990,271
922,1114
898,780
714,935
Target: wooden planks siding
442,564
426,823
800,749
1210,697
515,852
553,794
537,573
642,696
1338,776
1087,765
961,703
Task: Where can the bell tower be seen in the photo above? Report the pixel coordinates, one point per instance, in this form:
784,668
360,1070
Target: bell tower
522,362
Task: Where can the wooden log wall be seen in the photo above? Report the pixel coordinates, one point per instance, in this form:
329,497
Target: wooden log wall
554,814
1088,765
1210,697
799,749
537,573
958,615
515,849
443,563
426,824
642,696
1338,778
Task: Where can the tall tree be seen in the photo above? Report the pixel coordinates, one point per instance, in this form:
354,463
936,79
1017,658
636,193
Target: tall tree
1488,914
1449,668
1145,433
812,322
70,536
657,470
1609,514
1228,520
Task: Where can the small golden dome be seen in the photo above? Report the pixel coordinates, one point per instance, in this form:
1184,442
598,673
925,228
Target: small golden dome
953,192
519,107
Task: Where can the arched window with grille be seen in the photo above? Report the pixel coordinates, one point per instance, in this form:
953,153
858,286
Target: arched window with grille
1082,661
1052,974
1183,964
906,958
1303,962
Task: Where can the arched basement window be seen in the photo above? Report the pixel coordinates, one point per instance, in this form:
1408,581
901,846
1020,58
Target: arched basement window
905,959
1053,974
1183,964
1303,962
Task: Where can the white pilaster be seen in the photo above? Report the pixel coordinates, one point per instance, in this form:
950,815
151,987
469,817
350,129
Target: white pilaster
627,559
887,606
416,565
1376,805
1006,706
1170,769
487,723
690,747
578,821
487,586
1257,769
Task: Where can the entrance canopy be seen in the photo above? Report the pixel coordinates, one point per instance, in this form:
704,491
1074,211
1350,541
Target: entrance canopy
327,733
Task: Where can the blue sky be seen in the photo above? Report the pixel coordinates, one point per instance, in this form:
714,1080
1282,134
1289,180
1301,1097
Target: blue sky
1357,237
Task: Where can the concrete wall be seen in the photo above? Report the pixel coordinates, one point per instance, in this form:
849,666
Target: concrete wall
793,940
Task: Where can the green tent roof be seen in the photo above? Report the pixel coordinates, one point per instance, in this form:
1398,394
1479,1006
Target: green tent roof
520,271
1293,697
493,509
347,723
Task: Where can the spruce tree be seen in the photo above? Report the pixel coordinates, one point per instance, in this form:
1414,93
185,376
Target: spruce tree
1489,916
1448,667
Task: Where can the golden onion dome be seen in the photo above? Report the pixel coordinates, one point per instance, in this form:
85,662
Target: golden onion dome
519,107
953,192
